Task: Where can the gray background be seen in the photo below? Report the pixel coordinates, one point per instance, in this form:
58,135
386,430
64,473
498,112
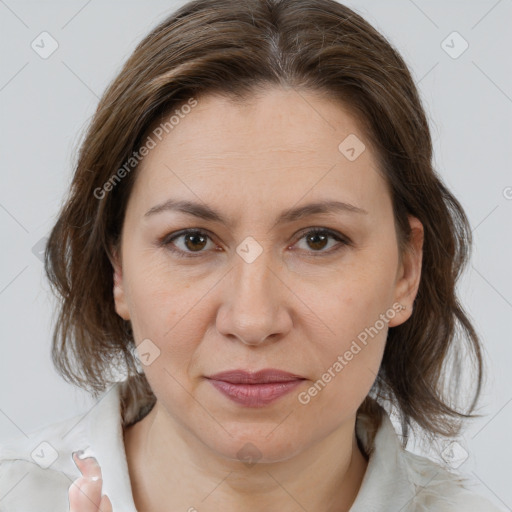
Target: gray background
46,103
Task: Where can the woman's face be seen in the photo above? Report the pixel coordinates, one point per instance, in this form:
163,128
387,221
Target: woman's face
258,289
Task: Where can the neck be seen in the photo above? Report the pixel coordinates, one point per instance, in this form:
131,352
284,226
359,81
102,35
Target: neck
171,469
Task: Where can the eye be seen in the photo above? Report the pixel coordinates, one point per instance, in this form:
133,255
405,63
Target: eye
318,239
193,241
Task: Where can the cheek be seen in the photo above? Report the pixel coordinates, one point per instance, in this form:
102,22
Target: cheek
352,298
167,314
158,296
349,342
165,307
348,371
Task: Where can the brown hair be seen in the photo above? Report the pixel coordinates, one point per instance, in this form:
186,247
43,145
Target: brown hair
236,48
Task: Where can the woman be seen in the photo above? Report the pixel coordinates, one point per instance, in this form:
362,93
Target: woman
287,142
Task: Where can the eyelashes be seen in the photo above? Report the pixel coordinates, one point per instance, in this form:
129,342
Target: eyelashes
168,242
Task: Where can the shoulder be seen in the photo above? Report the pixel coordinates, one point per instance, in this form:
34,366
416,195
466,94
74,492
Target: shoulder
36,470
438,488
397,479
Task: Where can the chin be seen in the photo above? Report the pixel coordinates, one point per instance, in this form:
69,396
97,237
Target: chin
255,445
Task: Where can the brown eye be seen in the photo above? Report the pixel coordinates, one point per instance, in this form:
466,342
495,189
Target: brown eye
194,241
191,241
316,240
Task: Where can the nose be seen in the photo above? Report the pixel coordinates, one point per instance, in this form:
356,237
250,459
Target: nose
256,302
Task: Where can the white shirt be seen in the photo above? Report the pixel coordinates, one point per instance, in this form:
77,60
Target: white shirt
36,472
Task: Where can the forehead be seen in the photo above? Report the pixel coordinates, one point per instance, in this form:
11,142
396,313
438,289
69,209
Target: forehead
275,120
278,144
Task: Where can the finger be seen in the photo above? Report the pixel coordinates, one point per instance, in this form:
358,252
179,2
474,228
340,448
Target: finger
88,466
105,505
84,495
85,492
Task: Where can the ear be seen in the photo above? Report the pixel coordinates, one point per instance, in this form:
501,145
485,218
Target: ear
119,287
409,273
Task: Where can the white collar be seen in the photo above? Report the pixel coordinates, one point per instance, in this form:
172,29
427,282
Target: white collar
105,431
386,483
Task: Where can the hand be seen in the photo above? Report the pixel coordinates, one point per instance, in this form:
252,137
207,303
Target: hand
85,491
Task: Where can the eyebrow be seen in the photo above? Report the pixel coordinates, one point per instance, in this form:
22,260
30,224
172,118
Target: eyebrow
204,211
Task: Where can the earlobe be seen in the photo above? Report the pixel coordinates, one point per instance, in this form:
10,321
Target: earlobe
118,288
409,276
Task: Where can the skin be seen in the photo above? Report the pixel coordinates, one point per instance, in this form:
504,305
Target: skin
288,309
85,492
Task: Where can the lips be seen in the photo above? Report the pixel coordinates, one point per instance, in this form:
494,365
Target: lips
260,377
255,389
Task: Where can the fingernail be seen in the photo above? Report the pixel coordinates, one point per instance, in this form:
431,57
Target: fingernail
77,453
85,453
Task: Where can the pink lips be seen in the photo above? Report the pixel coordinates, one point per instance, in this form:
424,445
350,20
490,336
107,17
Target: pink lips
255,389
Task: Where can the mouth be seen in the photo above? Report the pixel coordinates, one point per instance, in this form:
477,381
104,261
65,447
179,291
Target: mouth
255,389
